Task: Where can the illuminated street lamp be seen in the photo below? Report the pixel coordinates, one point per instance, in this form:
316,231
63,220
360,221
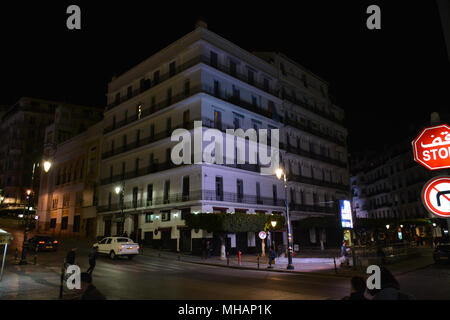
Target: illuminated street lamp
47,166
280,173
273,223
388,226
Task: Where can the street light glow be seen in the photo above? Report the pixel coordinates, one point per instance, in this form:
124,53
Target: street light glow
47,166
274,223
28,191
117,190
279,173
387,226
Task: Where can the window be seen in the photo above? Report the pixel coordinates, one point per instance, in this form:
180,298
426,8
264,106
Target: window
117,101
216,88
236,93
110,173
166,191
218,120
123,171
138,137
266,84
136,166
165,215
186,118
254,101
185,188
237,123
55,203
112,146
219,188
149,194
169,96
135,197
53,223
129,92
76,223
139,112
152,132
64,223
283,70
213,59
232,68
274,194
251,78
149,218
168,124
124,141
258,193
66,200
270,108
187,88
172,69
156,77
240,190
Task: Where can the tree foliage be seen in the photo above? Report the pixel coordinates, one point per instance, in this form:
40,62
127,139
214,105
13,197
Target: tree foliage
233,222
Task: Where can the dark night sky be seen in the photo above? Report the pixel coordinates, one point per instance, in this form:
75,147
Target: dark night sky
385,79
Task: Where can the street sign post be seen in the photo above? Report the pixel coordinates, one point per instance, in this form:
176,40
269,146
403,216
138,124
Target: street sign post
436,196
262,235
431,148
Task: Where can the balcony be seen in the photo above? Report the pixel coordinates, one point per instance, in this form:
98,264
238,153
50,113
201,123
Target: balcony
205,195
320,183
330,116
312,155
220,94
187,65
313,131
312,208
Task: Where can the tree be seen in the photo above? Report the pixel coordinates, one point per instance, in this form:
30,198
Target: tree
223,223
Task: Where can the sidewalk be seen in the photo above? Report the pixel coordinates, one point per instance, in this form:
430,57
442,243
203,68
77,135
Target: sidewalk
301,262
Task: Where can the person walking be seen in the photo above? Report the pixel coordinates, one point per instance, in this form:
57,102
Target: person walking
272,256
88,290
357,289
92,260
70,257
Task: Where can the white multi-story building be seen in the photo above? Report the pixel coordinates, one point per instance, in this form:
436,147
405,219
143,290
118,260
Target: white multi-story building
207,78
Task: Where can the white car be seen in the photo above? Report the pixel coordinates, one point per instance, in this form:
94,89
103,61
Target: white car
117,246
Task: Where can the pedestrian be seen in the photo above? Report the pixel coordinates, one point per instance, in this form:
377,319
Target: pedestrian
88,290
343,249
272,256
70,258
357,289
92,260
209,248
390,288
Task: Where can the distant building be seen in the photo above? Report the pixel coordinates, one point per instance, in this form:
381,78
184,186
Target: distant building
386,184
68,198
22,135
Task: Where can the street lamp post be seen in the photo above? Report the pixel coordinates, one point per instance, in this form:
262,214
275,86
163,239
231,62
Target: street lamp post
26,216
280,173
120,190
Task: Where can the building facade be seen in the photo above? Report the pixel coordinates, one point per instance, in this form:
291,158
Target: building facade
68,198
203,77
22,137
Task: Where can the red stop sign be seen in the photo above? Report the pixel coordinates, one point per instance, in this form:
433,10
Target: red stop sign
431,148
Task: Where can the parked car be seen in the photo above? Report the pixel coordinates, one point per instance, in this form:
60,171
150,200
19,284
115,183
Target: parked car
43,243
117,246
442,253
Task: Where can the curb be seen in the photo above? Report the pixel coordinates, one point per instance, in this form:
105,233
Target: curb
325,274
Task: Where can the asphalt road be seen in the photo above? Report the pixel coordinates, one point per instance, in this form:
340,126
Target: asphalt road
148,277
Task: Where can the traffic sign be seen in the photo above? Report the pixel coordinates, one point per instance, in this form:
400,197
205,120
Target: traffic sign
431,148
436,196
262,235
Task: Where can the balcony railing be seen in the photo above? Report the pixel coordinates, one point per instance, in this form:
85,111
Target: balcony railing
312,208
312,155
315,132
221,94
316,182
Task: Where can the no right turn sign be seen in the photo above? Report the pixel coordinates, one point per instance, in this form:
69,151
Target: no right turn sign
436,196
